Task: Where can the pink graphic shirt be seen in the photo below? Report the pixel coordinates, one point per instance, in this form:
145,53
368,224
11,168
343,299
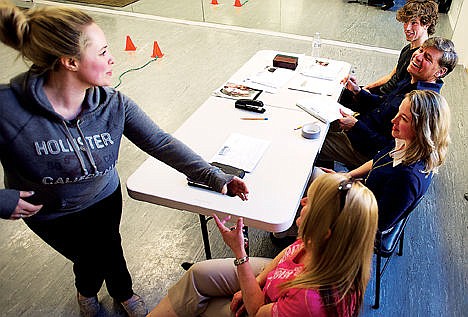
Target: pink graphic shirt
295,301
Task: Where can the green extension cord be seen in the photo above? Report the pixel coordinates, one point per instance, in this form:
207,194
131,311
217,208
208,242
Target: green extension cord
133,69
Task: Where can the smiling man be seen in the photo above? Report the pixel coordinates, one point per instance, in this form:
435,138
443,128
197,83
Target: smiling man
354,140
419,18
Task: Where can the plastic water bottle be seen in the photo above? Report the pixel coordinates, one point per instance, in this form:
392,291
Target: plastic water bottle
316,45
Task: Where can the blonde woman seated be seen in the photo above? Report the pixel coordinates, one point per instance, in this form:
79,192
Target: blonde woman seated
400,175
324,273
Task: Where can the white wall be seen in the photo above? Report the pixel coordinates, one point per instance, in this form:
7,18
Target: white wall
458,16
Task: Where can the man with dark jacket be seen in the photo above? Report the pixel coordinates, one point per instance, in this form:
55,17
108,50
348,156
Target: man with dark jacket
353,140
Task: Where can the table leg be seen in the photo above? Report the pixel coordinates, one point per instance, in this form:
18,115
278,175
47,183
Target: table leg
245,231
206,239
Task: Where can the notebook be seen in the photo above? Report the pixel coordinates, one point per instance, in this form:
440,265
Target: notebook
323,108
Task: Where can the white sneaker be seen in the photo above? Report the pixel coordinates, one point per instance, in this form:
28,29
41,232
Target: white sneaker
89,306
135,306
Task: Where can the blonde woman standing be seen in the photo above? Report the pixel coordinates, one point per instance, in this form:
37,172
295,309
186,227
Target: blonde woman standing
324,273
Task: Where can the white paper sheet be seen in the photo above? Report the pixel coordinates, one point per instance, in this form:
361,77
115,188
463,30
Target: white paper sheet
313,85
270,78
241,151
323,69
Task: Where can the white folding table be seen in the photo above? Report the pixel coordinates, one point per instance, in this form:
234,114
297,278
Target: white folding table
276,184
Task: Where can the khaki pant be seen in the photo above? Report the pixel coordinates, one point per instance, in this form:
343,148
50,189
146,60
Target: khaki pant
206,289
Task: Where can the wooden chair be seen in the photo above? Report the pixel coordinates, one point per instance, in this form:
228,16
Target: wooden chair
385,245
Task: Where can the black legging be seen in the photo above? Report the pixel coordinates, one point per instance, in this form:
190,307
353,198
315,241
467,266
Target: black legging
91,240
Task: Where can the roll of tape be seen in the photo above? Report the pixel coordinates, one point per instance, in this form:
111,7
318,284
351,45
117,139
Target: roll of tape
311,130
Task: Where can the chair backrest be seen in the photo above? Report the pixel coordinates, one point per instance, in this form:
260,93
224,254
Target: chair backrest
386,241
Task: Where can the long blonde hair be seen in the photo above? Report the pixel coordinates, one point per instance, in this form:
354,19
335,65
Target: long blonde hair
341,242
431,123
43,35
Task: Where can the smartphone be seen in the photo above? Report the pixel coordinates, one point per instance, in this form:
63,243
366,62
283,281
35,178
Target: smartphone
228,169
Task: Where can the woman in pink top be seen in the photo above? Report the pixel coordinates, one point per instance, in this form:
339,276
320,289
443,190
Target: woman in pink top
324,273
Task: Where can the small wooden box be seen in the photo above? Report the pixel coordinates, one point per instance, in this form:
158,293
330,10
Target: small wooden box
285,61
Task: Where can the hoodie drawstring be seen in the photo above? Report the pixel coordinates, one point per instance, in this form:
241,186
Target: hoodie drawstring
87,149
77,150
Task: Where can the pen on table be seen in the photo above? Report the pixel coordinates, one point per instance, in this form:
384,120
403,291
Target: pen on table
254,118
299,127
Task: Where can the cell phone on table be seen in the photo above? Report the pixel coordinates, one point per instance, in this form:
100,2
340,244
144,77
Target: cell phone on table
228,169
193,183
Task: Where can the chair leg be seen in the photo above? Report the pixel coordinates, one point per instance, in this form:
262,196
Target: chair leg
377,282
400,246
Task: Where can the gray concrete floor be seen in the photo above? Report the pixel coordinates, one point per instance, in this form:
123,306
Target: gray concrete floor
429,280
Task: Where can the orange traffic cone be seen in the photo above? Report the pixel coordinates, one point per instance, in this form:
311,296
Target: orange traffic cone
214,2
237,3
156,51
129,46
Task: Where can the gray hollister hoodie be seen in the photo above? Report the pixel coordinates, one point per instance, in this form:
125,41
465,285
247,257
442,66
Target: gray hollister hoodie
70,164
